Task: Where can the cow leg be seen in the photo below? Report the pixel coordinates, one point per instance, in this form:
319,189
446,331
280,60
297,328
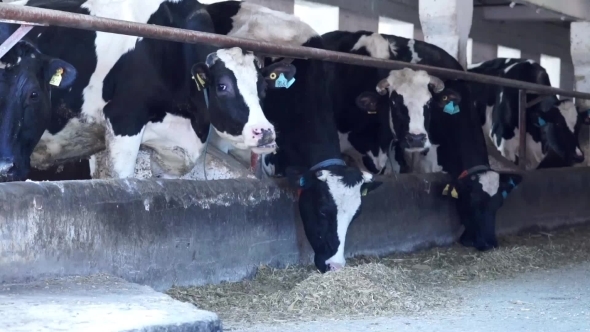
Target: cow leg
175,146
469,234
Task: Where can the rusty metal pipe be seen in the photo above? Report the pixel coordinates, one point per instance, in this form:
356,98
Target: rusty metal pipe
79,21
522,129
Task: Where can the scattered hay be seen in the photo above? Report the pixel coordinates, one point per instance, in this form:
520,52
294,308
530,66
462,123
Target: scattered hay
398,284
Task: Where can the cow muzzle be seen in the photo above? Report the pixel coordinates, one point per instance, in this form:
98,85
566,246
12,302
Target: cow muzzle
415,142
261,139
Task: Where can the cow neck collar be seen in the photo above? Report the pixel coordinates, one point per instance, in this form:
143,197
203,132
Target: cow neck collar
328,163
474,170
325,163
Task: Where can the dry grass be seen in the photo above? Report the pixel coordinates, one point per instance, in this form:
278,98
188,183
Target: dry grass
397,284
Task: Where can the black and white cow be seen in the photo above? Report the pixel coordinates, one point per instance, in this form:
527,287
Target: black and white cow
432,120
308,149
551,124
119,92
357,129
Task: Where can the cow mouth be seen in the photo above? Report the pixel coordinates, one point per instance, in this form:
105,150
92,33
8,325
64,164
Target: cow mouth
266,148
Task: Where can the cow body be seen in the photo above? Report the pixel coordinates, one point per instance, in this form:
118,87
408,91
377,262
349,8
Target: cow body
308,147
131,92
430,120
551,124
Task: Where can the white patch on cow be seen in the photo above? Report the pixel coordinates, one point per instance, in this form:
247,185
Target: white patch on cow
413,86
375,44
380,160
568,111
347,149
579,152
507,60
269,169
121,154
415,57
110,47
263,24
348,201
475,65
490,182
175,145
419,163
530,61
510,67
243,67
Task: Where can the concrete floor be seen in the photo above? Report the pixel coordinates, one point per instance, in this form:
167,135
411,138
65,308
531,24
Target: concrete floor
543,301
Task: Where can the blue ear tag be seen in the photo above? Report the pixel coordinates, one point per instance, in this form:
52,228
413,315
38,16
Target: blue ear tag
542,122
451,108
512,183
504,194
282,82
301,182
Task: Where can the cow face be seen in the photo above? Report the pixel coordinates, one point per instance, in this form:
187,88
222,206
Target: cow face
404,114
236,84
559,129
25,105
329,199
410,93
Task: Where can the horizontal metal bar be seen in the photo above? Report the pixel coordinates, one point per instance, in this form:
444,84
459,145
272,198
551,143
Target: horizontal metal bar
86,22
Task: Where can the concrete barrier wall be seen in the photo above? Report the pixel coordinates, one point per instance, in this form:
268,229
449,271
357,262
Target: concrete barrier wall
166,232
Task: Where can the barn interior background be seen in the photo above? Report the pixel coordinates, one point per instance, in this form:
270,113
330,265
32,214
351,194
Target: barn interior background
499,28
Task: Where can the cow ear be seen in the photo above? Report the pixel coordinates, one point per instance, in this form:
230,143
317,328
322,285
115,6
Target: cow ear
279,75
298,177
367,101
368,187
59,74
200,74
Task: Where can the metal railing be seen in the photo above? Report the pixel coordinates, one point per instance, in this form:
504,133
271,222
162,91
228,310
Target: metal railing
18,14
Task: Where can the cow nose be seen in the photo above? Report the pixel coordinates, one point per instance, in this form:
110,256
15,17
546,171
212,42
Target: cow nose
334,266
416,140
265,136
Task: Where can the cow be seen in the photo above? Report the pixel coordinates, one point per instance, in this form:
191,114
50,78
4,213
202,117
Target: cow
358,129
81,92
431,119
308,154
551,124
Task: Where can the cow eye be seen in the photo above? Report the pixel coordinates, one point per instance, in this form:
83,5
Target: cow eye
445,98
34,96
221,87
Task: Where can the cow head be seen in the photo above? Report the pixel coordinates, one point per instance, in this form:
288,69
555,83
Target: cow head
236,84
406,111
558,121
26,82
484,193
329,199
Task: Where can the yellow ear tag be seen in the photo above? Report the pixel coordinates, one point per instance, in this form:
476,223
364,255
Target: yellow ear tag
56,78
454,193
446,190
364,192
273,76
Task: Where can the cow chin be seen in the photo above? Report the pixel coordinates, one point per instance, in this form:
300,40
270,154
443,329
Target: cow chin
265,149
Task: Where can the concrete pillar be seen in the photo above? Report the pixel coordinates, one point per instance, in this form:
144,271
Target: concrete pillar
580,50
446,24
351,21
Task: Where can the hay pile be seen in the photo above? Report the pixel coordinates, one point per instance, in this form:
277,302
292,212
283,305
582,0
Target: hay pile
398,284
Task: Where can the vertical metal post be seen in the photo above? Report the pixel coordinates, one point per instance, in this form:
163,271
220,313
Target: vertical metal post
522,129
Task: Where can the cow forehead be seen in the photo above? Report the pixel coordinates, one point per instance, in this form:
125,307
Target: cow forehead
412,85
238,61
